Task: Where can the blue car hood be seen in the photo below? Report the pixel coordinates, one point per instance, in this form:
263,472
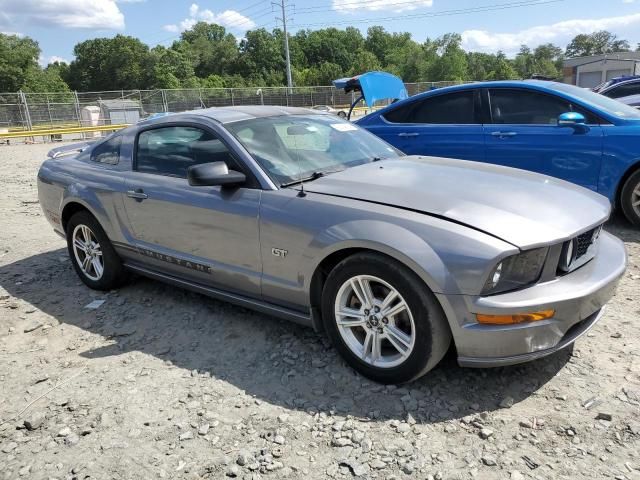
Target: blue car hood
523,208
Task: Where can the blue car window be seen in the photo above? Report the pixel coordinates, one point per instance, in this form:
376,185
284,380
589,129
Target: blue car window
451,108
523,107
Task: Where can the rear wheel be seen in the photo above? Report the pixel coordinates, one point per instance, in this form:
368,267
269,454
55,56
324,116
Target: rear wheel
94,258
383,319
630,198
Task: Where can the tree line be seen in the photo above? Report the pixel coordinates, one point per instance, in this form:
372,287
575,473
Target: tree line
209,56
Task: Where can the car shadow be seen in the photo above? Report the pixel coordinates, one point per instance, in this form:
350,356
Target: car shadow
273,360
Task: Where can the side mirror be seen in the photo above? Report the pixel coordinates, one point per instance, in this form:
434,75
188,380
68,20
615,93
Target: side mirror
572,119
214,174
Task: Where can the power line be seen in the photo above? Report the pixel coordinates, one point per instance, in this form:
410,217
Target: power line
357,3
443,13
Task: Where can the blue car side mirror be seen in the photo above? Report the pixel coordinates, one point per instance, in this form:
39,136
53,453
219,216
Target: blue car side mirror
571,119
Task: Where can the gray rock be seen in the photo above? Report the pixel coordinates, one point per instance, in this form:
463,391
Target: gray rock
186,436
9,447
71,439
32,326
34,421
203,429
408,468
64,432
244,458
279,439
233,471
516,475
485,433
377,464
507,402
604,416
489,460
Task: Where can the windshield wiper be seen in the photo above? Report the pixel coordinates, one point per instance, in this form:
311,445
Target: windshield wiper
314,176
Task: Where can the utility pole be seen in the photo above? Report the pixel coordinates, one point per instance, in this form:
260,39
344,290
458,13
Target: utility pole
282,6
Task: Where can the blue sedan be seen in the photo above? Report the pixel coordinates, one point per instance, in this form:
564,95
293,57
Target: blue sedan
546,127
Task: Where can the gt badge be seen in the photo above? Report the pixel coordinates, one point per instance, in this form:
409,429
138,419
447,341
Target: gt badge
279,252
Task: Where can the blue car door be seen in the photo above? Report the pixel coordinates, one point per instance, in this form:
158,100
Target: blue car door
524,133
441,125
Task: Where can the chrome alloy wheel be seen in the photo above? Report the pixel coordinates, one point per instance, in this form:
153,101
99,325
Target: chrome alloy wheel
635,200
88,252
375,321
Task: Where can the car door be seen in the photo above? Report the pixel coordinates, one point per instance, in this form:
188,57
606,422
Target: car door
524,133
441,125
201,233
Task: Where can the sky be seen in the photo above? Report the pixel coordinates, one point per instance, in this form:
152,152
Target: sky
485,25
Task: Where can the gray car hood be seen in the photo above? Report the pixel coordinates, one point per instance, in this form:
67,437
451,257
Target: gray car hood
523,208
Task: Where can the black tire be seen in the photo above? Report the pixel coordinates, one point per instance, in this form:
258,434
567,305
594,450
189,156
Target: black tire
114,273
342,114
627,198
432,333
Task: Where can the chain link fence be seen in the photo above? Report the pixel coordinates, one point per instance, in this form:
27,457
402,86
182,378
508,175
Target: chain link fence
32,111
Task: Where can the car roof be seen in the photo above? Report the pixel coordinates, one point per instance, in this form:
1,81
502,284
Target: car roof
244,112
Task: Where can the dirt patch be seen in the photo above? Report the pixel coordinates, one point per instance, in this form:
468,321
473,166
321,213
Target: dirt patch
162,383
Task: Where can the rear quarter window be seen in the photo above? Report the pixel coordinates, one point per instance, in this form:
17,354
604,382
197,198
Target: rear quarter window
108,152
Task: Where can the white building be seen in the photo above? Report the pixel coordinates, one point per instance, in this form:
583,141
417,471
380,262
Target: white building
588,72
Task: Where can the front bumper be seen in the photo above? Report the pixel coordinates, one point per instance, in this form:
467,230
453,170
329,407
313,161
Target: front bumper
577,298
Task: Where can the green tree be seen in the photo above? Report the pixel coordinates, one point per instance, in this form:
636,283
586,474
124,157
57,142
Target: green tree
596,43
261,57
451,63
171,69
18,61
44,80
502,69
115,63
211,49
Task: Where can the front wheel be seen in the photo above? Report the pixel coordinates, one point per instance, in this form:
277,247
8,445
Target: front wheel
630,198
383,319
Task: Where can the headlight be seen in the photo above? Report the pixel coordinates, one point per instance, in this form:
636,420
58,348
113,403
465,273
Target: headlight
516,271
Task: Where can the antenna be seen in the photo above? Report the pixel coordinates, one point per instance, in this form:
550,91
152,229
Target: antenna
301,192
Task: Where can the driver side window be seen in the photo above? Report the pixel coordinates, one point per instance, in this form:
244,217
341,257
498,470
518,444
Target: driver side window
171,150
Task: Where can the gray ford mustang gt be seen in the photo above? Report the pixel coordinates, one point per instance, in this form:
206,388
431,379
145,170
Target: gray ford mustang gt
305,216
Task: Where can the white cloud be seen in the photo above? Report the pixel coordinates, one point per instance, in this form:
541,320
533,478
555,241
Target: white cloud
378,5
94,14
561,32
229,18
52,59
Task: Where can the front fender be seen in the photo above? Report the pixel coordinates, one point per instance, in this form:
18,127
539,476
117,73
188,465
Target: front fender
392,240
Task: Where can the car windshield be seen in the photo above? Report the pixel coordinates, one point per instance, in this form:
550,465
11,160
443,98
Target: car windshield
295,147
606,104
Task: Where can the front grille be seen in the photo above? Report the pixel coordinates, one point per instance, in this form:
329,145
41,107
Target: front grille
584,241
578,251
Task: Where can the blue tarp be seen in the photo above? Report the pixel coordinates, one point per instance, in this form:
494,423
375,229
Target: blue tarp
374,86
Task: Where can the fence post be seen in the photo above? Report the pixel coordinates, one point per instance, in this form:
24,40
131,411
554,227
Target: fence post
232,99
77,105
165,105
27,114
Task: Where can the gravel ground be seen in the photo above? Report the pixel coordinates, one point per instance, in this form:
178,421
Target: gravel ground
162,383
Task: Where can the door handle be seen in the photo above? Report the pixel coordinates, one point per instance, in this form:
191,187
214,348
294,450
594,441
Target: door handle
407,134
138,194
504,134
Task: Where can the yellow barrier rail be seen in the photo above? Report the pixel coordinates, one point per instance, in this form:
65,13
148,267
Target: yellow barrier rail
62,131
